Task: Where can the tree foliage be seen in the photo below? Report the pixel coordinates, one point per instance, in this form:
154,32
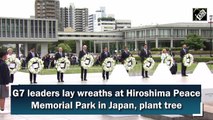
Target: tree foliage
194,42
65,47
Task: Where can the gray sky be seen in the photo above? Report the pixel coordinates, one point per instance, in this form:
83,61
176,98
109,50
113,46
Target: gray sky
141,12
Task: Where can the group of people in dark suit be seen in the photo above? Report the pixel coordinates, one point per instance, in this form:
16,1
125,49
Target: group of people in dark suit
32,53
144,54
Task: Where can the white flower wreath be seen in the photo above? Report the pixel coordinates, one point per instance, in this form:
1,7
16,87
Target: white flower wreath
62,65
129,63
108,64
168,61
188,59
87,61
35,65
148,64
14,64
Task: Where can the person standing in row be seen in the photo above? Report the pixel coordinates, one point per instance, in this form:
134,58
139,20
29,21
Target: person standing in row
125,54
10,54
105,54
4,79
83,71
164,54
183,52
59,55
145,53
31,55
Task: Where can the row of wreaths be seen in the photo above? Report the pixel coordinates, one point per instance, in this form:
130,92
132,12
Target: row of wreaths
35,65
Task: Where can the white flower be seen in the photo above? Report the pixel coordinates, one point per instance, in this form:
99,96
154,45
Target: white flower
108,64
168,61
35,65
129,63
14,64
188,59
148,64
87,61
62,65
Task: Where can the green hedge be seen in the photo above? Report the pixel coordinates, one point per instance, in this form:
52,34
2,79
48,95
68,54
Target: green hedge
196,59
176,51
160,49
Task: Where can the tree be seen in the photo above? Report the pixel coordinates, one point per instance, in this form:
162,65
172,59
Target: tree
65,47
194,42
72,45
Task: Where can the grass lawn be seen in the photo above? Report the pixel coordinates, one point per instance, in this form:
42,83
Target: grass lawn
98,69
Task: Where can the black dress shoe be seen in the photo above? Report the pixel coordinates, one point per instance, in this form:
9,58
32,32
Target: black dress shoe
62,80
147,76
35,82
184,75
85,79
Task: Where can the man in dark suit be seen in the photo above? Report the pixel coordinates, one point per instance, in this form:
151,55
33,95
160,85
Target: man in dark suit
4,79
105,54
31,55
145,53
59,55
183,52
125,54
83,71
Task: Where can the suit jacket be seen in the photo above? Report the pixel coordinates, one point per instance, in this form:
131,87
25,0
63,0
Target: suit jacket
144,54
58,55
124,55
82,53
104,56
4,73
30,56
182,53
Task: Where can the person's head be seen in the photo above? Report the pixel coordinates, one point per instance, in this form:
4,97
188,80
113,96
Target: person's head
184,46
164,51
10,51
32,49
126,48
105,49
60,49
3,55
145,46
84,47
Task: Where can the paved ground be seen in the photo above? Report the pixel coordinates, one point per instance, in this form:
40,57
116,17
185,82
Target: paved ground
95,78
